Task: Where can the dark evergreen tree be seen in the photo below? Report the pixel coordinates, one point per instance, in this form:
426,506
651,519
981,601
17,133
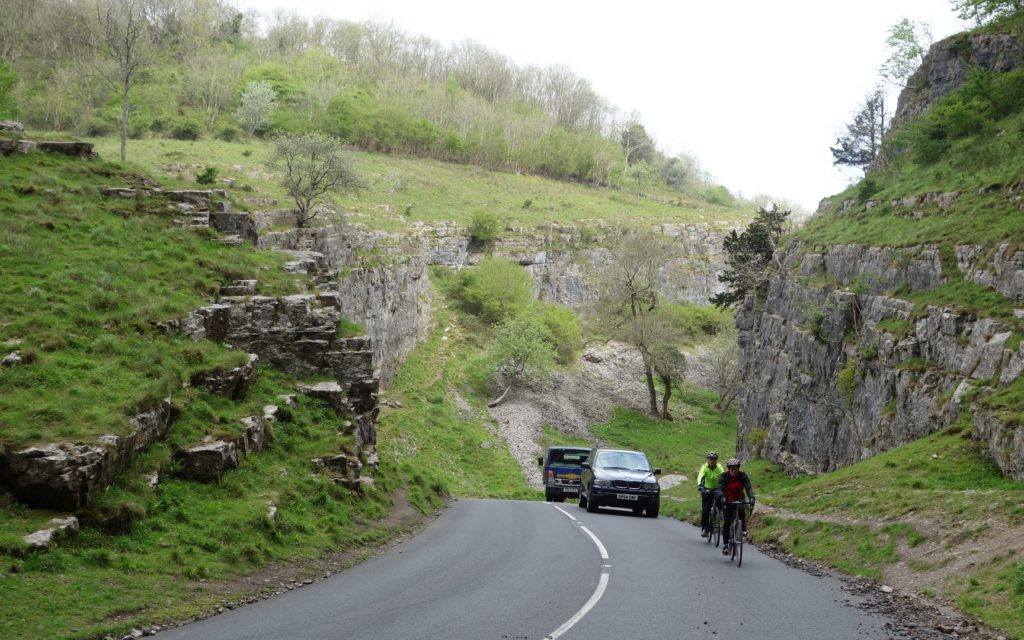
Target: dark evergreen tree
863,139
749,255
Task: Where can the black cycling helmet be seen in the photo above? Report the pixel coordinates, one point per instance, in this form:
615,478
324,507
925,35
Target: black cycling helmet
712,454
733,462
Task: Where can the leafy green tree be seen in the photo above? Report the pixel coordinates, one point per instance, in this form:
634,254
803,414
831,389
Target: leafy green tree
627,307
863,139
256,106
564,328
637,145
496,289
521,351
314,166
749,257
484,228
641,176
908,42
986,11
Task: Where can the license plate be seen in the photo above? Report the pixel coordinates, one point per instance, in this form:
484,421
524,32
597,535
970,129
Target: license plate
625,496
570,490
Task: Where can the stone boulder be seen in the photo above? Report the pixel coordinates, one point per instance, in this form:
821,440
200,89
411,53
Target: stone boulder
59,528
231,383
11,126
81,150
207,462
234,224
60,476
255,434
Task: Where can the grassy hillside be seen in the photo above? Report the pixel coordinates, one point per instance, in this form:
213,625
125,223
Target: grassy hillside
934,516
85,279
401,189
968,142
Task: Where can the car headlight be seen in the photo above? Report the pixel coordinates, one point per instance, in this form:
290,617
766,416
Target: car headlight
601,482
651,486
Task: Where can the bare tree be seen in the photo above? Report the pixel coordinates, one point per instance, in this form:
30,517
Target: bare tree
124,42
314,166
724,375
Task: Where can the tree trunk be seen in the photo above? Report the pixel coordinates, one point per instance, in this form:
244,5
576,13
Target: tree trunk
652,392
124,123
499,399
667,381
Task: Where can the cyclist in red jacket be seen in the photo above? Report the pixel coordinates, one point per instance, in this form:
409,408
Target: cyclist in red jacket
731,486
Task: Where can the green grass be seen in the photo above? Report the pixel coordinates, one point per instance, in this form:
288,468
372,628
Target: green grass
85,279
942,480
179,559
401,189
971,166
428,436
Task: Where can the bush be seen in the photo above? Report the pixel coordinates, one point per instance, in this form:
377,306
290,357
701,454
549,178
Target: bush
484,228
496,289
100,129
717,194
564,329
208,176
228,133
8,80
1018,579
186,130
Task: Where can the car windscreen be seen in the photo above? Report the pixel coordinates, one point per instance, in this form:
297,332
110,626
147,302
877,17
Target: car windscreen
623,460
568,457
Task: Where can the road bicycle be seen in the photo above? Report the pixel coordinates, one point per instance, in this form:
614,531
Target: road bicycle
736,535
714,531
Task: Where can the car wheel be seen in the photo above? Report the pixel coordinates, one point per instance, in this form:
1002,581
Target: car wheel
591,502
583,500
637,511
560,499
652,510
548,497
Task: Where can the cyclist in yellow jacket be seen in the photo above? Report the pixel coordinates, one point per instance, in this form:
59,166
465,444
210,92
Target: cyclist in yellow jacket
707,484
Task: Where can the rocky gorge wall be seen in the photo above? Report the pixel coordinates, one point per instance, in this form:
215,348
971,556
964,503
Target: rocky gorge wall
383,283
835,369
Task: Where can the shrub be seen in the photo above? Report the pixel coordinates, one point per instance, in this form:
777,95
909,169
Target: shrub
564,329
496,289
1018,579
208,176
228,133
484,228
185,130
717,194
100,128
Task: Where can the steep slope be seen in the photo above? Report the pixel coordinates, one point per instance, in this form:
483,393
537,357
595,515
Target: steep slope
898,308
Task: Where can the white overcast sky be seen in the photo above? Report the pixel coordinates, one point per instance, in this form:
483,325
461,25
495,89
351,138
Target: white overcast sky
757,91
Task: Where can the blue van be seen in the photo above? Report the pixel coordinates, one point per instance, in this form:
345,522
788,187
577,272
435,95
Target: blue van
563,467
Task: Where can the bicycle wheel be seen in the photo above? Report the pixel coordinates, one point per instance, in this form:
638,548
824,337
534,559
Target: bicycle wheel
708,533
739,554
735,533
716,527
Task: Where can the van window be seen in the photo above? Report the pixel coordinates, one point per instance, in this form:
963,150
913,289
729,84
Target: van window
561,456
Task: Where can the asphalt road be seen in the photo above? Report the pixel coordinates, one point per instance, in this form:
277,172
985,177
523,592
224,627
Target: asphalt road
506,570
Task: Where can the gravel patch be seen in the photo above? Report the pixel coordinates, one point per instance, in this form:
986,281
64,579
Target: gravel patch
608,376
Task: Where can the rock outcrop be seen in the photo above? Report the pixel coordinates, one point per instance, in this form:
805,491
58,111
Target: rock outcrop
835,370
231,383
66,476
948,65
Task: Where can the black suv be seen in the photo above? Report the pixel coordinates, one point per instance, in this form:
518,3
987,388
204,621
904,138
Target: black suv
620,478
